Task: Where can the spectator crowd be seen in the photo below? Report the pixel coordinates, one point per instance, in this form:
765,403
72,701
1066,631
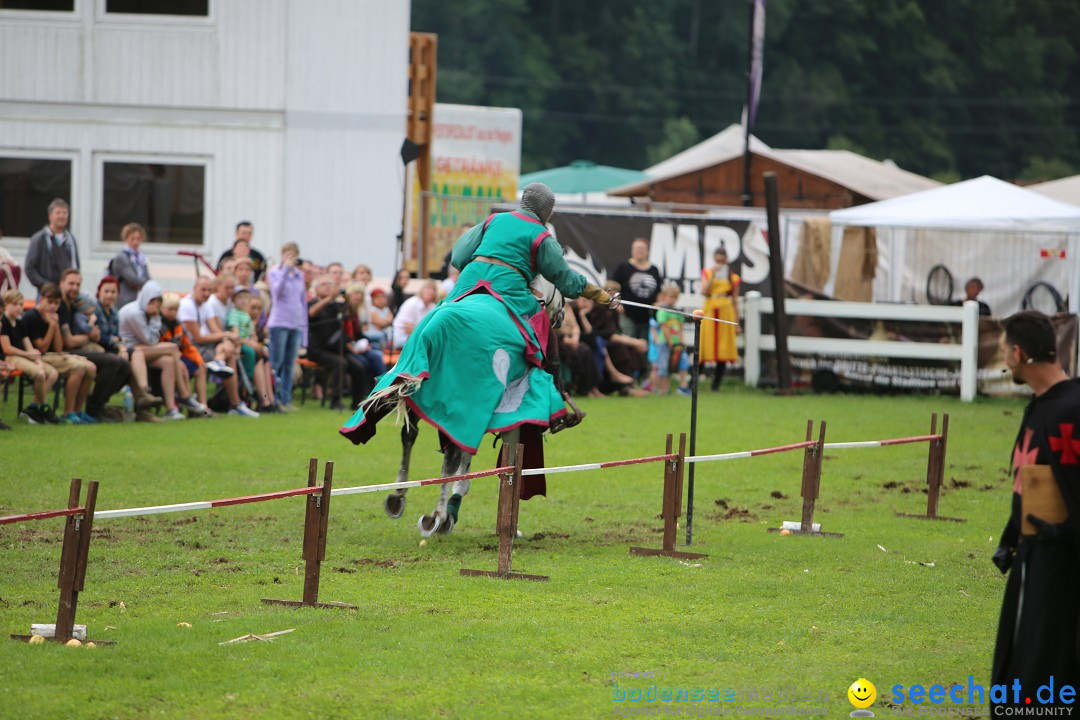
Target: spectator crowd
237,343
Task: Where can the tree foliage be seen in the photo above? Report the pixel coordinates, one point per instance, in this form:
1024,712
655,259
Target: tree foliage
951,89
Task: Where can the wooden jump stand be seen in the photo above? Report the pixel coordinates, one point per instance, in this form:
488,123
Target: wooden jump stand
316,517
506,523
811,483
73,555
935,472
672,505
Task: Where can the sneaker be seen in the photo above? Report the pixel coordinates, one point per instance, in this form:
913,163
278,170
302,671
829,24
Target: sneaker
71,419
174,414
244,410
86,419
685,391
32,414
219,369
288,408
192,404
48,414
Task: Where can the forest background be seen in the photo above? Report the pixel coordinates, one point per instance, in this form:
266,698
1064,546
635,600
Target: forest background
949,89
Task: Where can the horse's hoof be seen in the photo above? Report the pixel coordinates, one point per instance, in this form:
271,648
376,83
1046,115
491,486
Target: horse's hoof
428,525
447,526
394,506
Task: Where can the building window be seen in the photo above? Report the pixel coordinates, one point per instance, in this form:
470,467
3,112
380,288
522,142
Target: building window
39,5
27,186
168,200
191,8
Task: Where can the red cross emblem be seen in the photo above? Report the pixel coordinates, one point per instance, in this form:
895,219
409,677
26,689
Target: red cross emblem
1066,445
1025,455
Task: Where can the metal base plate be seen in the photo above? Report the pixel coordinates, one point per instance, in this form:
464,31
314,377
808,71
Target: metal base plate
667,553
812,534
927,517
320,605
503,576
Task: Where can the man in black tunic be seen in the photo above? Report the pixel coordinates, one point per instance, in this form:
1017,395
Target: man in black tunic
1039,631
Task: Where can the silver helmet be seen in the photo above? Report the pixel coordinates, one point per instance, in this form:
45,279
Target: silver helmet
538,198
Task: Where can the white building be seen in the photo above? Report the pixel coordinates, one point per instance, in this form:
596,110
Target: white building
188,116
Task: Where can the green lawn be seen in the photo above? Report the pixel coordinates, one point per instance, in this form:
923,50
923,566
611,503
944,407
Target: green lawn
761,613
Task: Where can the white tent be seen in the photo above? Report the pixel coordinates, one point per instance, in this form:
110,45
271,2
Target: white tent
1010,237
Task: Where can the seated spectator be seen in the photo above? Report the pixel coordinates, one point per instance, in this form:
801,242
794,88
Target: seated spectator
326,343
254,356
29,362
380,317
412,311
40,330
113,372
577,357
129,266
213,341
243,274
140,331
448,283
363,348
398,296
108,316
617,353
191,364
226,266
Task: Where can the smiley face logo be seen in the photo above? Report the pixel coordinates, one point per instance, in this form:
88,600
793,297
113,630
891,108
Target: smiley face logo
862,693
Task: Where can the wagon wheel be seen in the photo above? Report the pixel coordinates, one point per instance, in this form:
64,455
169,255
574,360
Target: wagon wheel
939,285
1044,297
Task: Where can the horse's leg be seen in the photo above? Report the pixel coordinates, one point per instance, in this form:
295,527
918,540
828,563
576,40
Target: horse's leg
395,501
460,490
430,524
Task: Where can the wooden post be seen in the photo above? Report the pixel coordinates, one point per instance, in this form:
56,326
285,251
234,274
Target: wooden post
69,596
316,519
73,559
671,505
935,472
506,521
813,456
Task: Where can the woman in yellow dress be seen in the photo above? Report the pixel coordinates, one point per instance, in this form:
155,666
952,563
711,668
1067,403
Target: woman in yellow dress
720,286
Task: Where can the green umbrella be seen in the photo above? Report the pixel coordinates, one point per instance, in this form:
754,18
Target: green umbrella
582,176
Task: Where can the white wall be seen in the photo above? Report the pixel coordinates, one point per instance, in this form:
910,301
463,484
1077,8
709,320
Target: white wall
297,107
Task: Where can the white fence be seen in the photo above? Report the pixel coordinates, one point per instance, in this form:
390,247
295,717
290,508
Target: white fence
966,352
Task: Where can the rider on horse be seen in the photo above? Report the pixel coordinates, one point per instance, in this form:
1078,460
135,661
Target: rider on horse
474,364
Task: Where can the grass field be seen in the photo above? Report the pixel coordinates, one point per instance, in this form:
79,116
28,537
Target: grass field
761,613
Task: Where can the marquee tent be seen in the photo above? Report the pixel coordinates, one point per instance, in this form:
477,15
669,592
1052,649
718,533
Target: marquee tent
1066,189
1012,238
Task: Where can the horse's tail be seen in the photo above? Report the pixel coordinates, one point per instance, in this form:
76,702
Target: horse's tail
392,399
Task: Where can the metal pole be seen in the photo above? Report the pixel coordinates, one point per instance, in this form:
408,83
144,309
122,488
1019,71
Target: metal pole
693,431
747,197
776,281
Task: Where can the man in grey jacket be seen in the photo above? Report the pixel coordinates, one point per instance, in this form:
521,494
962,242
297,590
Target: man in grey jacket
52,249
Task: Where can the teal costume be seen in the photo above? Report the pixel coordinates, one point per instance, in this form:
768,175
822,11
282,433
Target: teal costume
474,363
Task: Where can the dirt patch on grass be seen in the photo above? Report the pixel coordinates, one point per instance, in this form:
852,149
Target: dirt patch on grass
389,564
541,536
777,495
733,513
957,484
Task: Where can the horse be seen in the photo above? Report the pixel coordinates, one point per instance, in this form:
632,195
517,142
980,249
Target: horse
456,461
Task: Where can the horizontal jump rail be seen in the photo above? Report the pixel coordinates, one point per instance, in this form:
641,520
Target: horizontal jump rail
360,489
43,515
751,453
600,465
881,443
205,505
